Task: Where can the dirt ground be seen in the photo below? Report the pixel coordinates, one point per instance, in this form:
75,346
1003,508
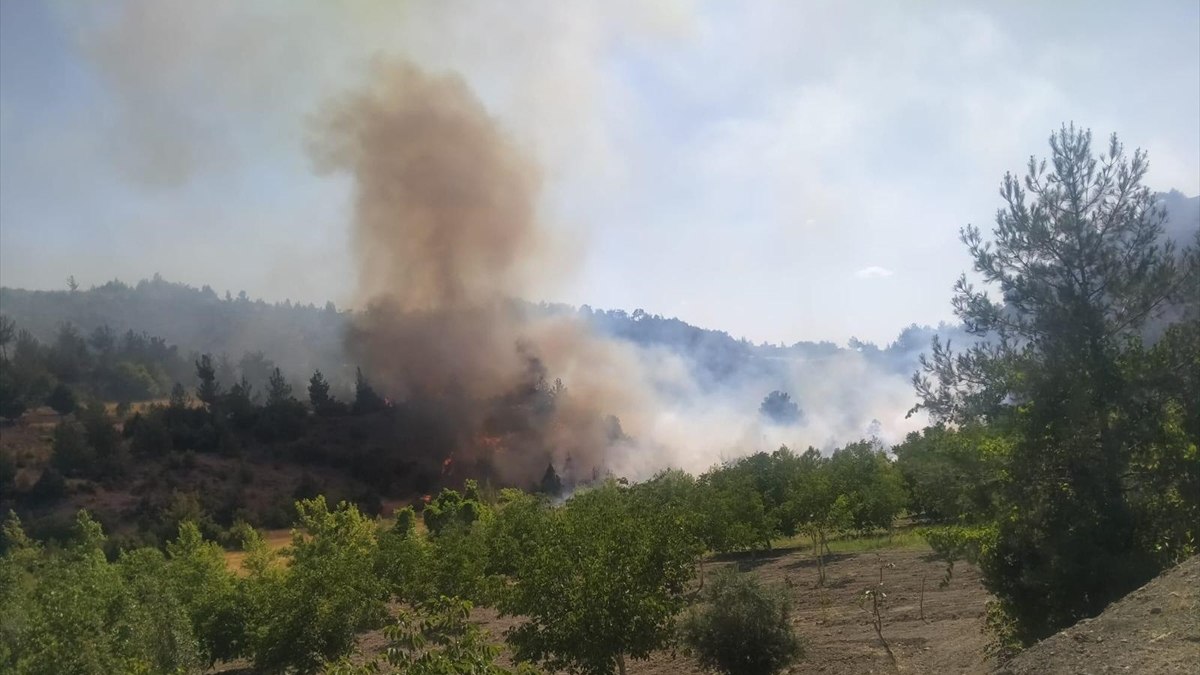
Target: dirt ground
1155,629
837,631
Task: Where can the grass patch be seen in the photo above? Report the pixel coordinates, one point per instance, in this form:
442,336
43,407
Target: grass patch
899,538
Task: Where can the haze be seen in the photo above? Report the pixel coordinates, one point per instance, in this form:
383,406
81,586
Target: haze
781,171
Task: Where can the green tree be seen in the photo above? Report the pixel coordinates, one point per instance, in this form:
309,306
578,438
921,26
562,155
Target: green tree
404,558
62,400
71,611
953,474
209,389
318,393
279,391
208,590
309,611
437,638
870,485
736,518
1075,267
602,581
453,508
742,628
779,407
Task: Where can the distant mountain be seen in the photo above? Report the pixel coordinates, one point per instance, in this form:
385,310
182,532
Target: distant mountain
301,338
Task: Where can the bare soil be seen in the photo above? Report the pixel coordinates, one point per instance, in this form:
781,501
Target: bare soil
837,630
1155,629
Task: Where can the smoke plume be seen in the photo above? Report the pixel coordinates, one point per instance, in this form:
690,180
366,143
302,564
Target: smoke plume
446,235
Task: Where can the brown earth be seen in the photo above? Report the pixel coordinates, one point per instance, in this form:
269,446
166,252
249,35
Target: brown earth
1155,629
837,631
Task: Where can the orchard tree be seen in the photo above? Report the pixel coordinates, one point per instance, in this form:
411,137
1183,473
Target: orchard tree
602,582
1075,267
309,611
436,638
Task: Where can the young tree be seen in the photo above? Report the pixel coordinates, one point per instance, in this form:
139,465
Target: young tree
1075,267
279,391
436,638
309,611
209,591
179,399
209,390
602,582
69,610
742,628
318,392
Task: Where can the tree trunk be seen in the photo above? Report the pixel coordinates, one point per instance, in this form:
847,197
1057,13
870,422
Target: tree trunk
621,664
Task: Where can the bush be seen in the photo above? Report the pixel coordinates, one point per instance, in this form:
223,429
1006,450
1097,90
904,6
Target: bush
309,611
742,629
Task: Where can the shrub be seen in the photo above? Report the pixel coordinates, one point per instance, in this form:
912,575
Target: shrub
742,629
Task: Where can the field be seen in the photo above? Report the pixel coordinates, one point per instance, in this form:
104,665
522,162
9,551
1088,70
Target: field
837,630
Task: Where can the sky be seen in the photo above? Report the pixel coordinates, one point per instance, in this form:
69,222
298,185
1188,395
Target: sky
782,171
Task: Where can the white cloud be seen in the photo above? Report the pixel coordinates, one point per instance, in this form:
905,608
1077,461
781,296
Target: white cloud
873,272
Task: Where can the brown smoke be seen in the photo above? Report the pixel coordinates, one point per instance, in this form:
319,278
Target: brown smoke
446,234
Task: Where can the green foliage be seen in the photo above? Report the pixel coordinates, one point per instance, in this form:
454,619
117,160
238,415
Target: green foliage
458,562
954,474
452,508
209,390
278,389
437,638
778,407
734,514
403,560
71,611
602,580
742,628
952,543
309,610
210,593
868,485
1098,492
319,398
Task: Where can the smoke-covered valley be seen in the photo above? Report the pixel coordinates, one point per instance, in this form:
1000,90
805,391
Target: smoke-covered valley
460,180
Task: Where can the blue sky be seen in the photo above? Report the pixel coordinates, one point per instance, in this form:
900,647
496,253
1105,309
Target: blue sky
783,171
